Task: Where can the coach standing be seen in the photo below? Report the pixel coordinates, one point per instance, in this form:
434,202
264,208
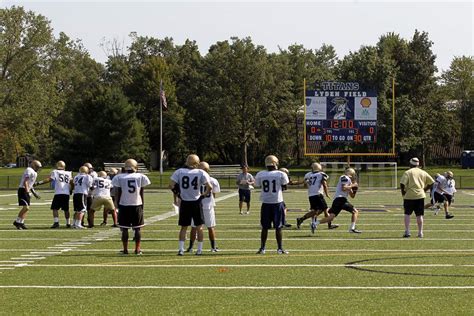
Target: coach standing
413,184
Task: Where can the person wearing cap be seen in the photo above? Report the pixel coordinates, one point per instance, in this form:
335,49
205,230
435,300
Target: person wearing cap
413,186
27,182
90,194
346,186
245,182
273,182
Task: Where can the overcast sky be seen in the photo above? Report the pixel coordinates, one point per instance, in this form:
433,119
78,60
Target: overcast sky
344,24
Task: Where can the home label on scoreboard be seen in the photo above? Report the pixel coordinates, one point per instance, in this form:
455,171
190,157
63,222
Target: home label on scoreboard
341,112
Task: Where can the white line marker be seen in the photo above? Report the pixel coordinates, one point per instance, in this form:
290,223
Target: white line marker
180,266
157,287
36,258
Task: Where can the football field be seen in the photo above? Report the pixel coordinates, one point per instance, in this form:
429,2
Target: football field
332,272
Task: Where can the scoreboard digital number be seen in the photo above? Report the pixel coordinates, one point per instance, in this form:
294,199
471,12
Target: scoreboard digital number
341,112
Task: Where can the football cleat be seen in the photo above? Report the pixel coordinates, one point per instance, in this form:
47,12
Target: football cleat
55,225
355,231
190,249
313,227
17,225
103,224
68,225
449,216
180,252
420,235
215,249
138,252
299,221
282,252
198,253
261,251
22,225
114,225
333,226
287,225
124,252
406,235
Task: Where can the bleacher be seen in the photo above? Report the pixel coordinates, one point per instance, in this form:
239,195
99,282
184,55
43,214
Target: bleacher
224,171
118,165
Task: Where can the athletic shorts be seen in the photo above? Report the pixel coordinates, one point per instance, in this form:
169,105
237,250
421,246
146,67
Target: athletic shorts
449,198
190,210
244,195
23,197
60,202
209,218
417,206
79,201
317,202
439,198
105,201
272,215
131,216
339,204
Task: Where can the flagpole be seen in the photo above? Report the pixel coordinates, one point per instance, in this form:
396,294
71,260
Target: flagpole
161,129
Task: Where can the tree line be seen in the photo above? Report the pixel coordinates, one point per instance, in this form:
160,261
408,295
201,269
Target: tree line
235,104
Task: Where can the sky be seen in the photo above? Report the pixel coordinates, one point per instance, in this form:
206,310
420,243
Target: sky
346,25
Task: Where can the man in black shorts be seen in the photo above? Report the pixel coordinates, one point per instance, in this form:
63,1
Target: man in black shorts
27,182
413,185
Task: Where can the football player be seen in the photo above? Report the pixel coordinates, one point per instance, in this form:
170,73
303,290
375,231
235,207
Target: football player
190,180
450,188
27,183
208,204
440,195
130,188
316,182
102,198
82,183
62,191
90,195
110,175
272,212
346,186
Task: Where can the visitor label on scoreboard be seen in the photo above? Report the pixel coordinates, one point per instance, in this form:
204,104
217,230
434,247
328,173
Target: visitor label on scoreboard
341,112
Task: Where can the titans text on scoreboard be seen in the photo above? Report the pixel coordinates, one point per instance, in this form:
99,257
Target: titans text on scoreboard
341,112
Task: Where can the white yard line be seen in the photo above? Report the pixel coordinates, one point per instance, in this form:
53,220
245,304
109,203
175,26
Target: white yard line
160,266
158,287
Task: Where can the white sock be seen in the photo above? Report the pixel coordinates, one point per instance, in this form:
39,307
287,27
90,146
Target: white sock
18,220
56,219
317,222
22,220
68,221
199,246
353,225
181,245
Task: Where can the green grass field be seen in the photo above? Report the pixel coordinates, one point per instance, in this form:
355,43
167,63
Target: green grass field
332,272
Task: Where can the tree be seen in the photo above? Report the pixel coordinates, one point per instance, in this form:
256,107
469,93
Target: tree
101,127
458,84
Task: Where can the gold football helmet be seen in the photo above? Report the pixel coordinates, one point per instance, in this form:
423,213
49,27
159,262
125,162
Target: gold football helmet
271,160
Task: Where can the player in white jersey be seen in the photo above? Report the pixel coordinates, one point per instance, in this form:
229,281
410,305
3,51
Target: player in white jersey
62,190
316,182
272,182
102,186
208,204
81,185
450,188
90,194
345,187
190,179
440,195
130,195
27,183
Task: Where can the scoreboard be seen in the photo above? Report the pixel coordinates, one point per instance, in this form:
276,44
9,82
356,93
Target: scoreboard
341,112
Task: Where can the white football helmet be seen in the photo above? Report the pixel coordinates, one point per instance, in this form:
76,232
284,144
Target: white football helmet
36,165
316,167
61,165
192,161
271,160
131,164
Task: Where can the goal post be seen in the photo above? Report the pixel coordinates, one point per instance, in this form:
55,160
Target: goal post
370,175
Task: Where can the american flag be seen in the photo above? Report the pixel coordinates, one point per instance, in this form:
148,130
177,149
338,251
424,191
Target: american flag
164,104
